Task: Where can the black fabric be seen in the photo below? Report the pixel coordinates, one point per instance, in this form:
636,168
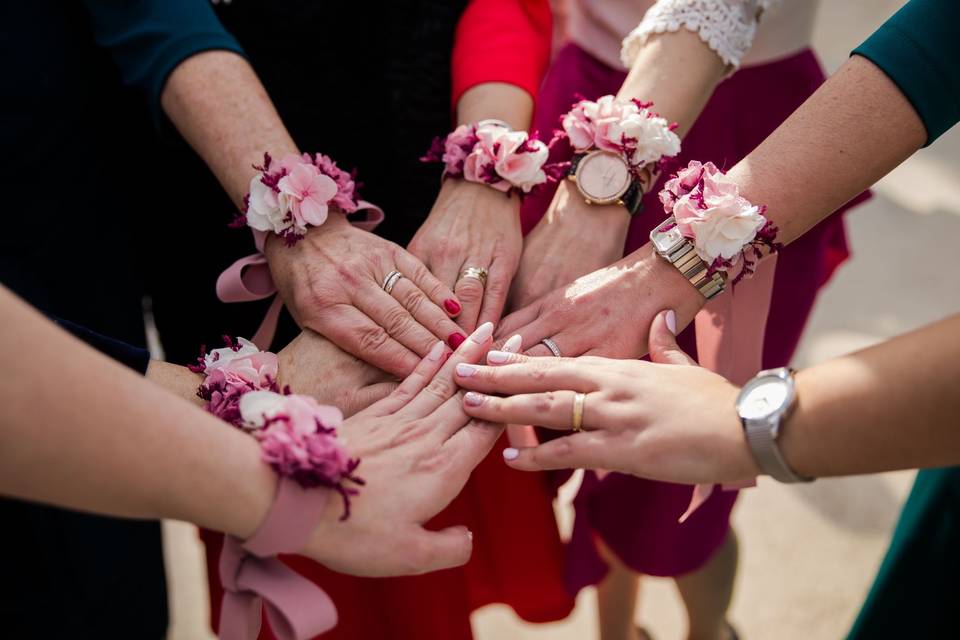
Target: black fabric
136,358
367,83
72,182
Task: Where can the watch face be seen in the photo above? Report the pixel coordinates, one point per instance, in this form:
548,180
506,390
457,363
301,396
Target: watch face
763,397
666,241
603,177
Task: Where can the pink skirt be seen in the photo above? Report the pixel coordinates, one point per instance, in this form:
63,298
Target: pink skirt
636,518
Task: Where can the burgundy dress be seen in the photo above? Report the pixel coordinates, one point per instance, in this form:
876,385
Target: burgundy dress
636,518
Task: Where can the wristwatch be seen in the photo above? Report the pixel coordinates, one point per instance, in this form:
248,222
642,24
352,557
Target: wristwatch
603,177
680,252
763,405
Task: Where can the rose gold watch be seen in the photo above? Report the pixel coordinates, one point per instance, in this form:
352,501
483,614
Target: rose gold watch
603,177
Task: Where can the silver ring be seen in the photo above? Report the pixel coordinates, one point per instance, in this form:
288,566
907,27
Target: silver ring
391,280
475,272
550,344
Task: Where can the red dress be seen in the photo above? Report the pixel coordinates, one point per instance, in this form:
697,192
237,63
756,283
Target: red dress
518,556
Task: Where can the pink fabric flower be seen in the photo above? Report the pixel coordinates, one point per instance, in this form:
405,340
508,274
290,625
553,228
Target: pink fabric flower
579,128
233,372
346,198
306,194
519,160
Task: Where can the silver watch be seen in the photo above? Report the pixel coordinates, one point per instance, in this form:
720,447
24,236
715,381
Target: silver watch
670,244
763,405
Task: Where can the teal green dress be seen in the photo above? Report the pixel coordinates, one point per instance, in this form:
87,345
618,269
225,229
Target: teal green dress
916,593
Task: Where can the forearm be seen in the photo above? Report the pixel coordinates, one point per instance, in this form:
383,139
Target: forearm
855,129
81,431
892,406
223,111
496,100
176,379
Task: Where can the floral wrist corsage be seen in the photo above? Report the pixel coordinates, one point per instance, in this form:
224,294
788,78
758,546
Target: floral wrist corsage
727,230
297,192
492,154
298,435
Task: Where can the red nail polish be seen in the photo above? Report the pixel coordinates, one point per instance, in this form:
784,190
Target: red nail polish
452,306
455,340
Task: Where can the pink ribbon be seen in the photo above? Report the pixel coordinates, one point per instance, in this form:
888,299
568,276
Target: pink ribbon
249,278
254,578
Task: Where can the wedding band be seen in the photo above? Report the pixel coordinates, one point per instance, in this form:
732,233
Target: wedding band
550,344
475,272
391,280
579,400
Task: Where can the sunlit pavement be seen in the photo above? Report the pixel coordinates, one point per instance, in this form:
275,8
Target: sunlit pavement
808,553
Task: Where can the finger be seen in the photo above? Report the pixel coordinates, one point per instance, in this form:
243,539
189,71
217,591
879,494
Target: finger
354,332
439,293
442,386
429,315
471,444
495,292
519,318
663,341
371,394
412,384
576,451
533,375
551,409
512,345
434,550
470,291
383,309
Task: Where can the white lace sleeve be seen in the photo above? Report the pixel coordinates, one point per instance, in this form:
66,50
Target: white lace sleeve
726,26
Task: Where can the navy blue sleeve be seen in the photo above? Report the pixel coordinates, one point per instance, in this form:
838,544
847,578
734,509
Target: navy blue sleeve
149,38
134,357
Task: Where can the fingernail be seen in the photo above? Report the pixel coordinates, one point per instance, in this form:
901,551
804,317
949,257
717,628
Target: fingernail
483,333
671,320
436,351
473,399
513,344
455,340
498,357
511,453
470,535
465,370
452,306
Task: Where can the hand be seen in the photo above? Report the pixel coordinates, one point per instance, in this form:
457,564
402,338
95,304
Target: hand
572,239
472,225
314,366
332,282
607,312
672,420
417,449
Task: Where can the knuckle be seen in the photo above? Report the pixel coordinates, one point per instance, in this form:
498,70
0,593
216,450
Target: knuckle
407,433
469,289
372,338
441,387
396,320
544,402
431,462
414,300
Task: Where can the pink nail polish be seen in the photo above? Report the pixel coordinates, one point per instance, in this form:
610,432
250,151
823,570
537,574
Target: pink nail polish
452,306
436,351
498,357
455,340
483,333
513,344
671,321
511,453
465,370
473,399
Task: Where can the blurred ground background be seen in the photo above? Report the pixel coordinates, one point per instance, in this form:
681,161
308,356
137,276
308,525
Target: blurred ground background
808,553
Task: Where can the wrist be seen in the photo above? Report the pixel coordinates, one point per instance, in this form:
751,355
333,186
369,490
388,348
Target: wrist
464,196
671,287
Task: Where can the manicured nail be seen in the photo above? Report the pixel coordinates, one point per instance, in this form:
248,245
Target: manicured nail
483,333
498,357
465,370
455,340
473,399
470,535
452,306
671,320
513,344
511,453
436,351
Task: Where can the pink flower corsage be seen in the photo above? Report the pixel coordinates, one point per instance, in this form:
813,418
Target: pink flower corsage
297,434
628,128
299,440
727,230
297,192
491,154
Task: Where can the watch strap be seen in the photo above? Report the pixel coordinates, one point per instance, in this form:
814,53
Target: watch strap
763,445
691,265
633,198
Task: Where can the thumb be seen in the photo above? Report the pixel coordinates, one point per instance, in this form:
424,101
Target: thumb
663,341
436,550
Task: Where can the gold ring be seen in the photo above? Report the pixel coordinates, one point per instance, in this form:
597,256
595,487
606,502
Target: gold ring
579,400
475,272
391,280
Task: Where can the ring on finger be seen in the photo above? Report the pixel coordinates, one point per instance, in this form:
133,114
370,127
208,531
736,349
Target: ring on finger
552,346
475,272
391,280
579,400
